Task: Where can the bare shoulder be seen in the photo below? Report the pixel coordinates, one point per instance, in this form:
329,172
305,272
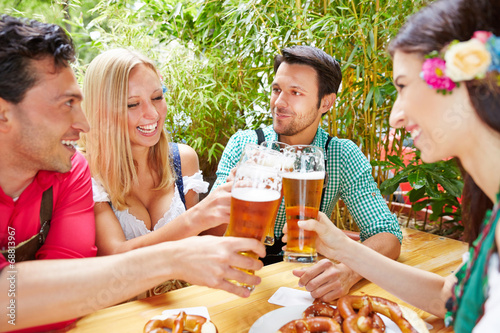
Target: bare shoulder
189,160
102,209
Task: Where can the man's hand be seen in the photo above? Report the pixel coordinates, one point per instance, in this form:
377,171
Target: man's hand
327,280
211,261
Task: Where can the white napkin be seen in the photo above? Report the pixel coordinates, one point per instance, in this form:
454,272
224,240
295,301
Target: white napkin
199,311
285,296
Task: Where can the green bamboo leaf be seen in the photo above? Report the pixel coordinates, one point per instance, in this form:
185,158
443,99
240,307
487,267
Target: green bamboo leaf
177,9
368,99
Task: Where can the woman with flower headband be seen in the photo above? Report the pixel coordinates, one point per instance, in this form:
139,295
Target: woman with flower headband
139,202
447,73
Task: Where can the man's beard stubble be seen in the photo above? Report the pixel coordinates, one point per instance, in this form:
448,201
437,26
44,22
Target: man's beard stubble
297,124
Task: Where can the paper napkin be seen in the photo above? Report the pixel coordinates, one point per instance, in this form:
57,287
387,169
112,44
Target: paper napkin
285,296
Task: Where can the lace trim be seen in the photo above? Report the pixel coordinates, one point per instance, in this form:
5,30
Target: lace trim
195,183
131,225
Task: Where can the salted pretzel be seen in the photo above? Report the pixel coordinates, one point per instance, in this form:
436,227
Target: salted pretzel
311,325
365,320
357,322
323,310
180,323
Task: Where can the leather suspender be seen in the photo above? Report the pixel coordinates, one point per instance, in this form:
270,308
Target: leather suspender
27,250
260,135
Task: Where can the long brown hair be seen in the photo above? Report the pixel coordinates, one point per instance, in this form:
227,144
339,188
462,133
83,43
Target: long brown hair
434,27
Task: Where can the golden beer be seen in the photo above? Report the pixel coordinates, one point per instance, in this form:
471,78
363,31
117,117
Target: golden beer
268,154
252,211
269,238
302,193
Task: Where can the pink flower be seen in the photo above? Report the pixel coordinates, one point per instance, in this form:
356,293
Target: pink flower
482,36
433,72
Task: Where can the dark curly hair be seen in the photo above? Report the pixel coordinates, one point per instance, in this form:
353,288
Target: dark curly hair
326,67
21,42
434,27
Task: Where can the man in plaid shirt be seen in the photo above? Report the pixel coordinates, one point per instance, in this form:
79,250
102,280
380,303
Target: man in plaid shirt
304,89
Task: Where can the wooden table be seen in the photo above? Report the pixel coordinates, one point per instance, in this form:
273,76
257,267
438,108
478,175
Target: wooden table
232,314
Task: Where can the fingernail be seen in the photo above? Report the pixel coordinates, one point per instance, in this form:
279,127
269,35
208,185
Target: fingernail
301,285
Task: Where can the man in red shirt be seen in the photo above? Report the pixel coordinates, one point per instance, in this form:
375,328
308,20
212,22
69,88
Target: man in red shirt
46,206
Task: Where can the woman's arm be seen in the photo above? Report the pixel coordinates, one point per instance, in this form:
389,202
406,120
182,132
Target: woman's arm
212,214
189,165
425,290
209,213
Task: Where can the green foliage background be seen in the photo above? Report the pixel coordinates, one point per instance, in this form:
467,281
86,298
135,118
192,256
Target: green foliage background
216,59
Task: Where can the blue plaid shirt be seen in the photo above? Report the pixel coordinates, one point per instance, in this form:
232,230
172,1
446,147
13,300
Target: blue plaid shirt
349,178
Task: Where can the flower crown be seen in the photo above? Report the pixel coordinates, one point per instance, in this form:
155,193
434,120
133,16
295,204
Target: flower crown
462,61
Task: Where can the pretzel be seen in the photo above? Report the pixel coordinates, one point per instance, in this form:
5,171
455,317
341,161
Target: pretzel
311,325
323,310
180,323
356,322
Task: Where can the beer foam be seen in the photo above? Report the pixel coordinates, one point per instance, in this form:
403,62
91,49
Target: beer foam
305,175
255,194
251,171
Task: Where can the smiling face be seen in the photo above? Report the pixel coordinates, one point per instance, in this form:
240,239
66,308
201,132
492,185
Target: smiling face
294,100
440,125
147,108
49,120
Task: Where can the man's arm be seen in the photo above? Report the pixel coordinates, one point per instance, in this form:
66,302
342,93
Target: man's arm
47,291
362,197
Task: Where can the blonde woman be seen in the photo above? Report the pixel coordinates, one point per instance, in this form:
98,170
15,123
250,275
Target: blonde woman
138,201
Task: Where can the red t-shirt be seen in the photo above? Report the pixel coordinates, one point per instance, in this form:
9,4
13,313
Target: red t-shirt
72,228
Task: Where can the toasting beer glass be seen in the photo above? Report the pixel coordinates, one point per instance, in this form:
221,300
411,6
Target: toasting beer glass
255,197
302,187
277,146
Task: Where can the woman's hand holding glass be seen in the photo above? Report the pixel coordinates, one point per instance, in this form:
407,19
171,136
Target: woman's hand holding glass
330,241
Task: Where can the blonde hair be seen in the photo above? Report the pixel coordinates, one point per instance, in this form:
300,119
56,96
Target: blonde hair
107,144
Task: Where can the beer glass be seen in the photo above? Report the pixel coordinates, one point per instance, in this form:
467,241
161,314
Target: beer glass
255,197
302,187
277,146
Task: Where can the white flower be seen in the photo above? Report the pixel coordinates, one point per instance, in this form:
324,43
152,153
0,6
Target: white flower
467,60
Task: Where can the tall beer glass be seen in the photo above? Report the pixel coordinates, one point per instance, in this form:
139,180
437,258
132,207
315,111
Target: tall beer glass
255,197
302,187
277,146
